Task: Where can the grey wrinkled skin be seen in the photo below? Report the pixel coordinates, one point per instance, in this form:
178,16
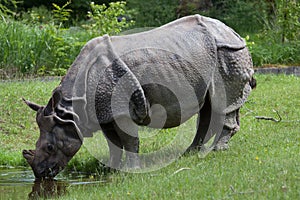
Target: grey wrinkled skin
159,78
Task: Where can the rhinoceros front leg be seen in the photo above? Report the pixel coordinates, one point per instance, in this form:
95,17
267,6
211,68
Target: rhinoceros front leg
114,144
128,132
122,134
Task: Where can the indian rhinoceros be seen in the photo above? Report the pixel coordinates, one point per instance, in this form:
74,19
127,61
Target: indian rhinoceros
158,78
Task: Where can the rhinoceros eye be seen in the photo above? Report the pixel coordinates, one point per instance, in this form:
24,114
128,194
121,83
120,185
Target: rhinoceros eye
50,147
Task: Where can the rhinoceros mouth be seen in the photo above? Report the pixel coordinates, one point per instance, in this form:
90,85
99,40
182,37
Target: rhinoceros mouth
39,172
49,172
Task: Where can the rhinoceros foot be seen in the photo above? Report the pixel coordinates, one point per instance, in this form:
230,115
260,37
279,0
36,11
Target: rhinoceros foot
222,144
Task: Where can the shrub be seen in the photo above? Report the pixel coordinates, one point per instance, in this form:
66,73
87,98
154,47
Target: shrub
152,13
61,14
33,46
107,19
245,17
36,16
265,51
285,25
278,42
8,7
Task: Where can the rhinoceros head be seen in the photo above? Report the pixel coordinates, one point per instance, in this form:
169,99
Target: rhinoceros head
58,142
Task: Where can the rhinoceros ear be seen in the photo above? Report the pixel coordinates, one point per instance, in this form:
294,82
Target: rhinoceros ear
32,105
53,102
73,128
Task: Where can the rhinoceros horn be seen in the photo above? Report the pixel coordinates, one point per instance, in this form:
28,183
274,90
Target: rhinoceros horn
32,105
29,155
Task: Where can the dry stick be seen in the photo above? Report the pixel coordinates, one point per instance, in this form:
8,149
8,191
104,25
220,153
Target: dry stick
270,118
181,169
235,192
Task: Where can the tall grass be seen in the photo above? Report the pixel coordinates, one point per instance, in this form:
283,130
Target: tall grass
266,50
29,49
32,45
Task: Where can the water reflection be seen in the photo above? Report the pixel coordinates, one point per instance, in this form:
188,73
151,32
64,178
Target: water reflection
20,183
47,188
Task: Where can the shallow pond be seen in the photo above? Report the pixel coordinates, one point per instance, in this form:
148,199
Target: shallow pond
19,183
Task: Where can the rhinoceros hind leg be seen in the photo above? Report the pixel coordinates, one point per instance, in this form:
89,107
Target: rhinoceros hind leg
222,144
231,126
203,121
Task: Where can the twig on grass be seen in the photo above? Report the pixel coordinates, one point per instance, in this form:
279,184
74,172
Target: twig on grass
181,169
270,118
234,192
247,113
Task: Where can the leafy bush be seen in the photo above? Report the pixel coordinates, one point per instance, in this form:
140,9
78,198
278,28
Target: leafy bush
243,16
107,20
285,26
61,14
48,48
275,53
79,7
7,7
152,13
36,16
279,43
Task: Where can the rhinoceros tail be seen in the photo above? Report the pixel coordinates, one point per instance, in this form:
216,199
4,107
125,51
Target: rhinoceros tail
252,83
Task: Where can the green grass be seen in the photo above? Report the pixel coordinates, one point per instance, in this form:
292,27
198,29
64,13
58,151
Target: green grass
263,161
18,129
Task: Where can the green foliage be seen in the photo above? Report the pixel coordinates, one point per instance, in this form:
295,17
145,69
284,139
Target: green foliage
44,42
7,7
153,13
28,49
37,16
39,43
61,14
265,51
278,42
287,24
245,16
107,19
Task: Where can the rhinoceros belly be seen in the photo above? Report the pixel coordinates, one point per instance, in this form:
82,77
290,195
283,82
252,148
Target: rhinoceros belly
169,108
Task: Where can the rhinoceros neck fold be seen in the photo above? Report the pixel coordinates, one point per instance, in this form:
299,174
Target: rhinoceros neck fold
79,70
79,85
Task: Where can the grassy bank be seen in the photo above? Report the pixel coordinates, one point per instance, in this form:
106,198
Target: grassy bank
263,161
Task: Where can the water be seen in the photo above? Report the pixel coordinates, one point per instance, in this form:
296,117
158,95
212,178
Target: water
19,183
